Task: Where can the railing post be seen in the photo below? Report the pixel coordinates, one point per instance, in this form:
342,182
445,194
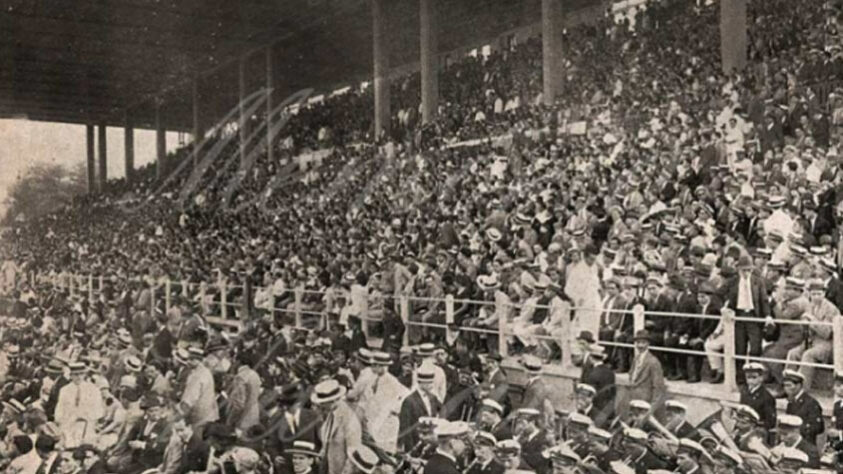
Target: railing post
638,317
102,285
838,343
167,296
364,315
90,289
449,318
729,367
70,286
223,299
152,288
297,305
565,343
502,342
203,310
404,302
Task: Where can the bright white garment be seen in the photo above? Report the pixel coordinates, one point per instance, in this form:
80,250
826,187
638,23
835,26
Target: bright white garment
382,408
78,409
582,285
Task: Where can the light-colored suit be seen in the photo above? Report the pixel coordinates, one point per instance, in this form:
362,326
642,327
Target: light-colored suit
78,409
340,430
243,399
646,380
382,409
199,397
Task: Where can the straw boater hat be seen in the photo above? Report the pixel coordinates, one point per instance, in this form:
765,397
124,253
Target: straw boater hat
305,448
328,391
363,458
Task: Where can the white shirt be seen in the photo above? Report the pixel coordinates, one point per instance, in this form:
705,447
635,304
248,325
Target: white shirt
745,294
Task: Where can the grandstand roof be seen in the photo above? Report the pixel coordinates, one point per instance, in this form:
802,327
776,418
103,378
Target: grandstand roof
83,61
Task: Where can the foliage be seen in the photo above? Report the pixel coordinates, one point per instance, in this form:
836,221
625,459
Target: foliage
43,189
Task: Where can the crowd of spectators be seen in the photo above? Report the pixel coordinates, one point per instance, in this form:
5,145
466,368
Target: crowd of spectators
654,180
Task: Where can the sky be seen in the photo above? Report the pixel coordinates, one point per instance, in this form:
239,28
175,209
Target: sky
24,143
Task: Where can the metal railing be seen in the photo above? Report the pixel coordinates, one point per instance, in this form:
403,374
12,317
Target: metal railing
215,307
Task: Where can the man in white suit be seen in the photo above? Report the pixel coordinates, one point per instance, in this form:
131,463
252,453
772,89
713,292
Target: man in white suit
384,403
79,408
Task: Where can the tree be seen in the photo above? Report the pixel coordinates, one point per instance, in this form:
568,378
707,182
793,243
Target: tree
43,189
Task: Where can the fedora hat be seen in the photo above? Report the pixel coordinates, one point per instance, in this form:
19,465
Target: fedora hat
305,448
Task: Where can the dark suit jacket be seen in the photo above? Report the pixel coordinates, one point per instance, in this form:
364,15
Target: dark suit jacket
763,403
156,442
834,292
500,390
439,464
493,467
307,430
531,452
760,302
413,408
602,378
808,408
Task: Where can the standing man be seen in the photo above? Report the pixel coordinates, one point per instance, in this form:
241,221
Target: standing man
381,413
816,348
418,404
536,393
646,380
199,400
244,394
746,294
341,428
79,408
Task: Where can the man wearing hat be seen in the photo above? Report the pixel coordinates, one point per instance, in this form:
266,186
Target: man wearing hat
793,305
755,395
340,428
530,436
198,400
646,379
803,405
536,393
484,455
676,421
420,403
451,449
79,408
293,422
688,456
243,393
602,378
383,405
304,457
789,427
817,346
746,295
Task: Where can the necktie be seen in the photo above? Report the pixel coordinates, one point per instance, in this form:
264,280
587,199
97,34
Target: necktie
78,396
375,386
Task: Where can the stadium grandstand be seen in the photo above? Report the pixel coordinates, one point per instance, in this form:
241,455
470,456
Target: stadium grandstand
431,236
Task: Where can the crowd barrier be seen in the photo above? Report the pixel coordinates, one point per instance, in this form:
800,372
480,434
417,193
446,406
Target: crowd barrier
214,304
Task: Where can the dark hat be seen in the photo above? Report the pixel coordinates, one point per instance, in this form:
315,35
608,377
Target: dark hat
151,401
641,334
586,336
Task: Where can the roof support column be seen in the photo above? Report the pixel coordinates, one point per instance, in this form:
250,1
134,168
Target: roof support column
429,59
551,48
733,36
103,157
89,139
381,72
244,121
129,147
270,84
160,143
198,133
